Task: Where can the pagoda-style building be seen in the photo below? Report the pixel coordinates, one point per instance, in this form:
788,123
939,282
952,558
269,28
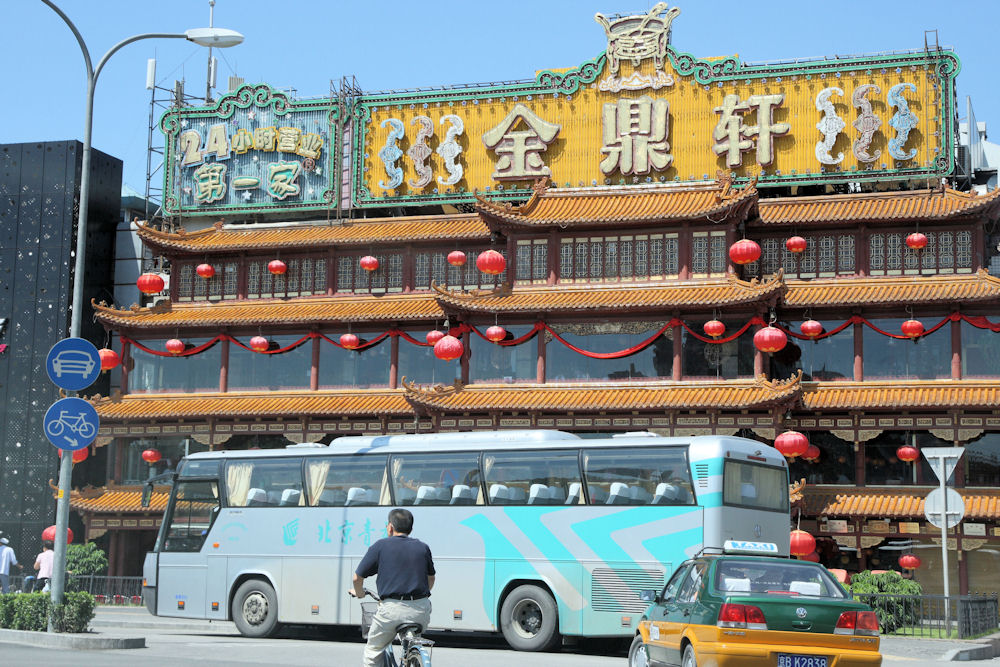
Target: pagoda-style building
305,314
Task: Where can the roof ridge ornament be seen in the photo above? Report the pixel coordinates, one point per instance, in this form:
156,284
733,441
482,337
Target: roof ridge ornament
470,295
411,389
638,37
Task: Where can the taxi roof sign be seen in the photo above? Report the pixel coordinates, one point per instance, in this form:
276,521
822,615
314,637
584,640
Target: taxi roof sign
744,547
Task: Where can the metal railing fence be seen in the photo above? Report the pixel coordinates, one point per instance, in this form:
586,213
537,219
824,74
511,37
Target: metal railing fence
106,590
960,616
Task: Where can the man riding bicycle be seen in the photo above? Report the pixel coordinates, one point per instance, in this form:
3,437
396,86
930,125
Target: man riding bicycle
405,570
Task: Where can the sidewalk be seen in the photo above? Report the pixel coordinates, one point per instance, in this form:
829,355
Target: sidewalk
117,618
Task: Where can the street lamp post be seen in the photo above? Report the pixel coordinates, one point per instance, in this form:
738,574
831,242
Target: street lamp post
211,37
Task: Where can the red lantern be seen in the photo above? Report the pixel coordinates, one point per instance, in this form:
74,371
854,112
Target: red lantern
434,336
912,328
49,534
150,283
259,344
448,348
715,328
151,456
109,358
78,455
908,453
909,562
916,241
801,543
813,557
791,444
277,267
812,453
175,346
796,244
350,341
205,270
770,339
744,252
491,262
456,258
369,263
811,328
496,334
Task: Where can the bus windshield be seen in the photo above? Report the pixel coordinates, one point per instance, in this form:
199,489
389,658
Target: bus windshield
755,486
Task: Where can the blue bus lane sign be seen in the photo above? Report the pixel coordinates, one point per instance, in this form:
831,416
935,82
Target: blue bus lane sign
73,364
71,423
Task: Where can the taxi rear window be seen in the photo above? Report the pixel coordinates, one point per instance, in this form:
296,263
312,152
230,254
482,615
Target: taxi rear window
778,577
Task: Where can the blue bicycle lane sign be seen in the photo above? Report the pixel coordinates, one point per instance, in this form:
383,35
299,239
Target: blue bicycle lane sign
71,423
73,364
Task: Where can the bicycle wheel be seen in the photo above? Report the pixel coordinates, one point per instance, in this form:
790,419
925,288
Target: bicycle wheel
86,430
416,657
55,428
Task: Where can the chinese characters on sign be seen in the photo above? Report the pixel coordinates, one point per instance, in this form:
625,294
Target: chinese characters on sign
519,151
635,136
733,137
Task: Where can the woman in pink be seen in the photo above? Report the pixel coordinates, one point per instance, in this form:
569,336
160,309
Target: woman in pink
43,564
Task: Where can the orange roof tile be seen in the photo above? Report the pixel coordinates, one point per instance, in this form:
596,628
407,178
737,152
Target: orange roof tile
564,397
623,205
902,503
904,394
314,235
945,289
304,310
118,499
878,207
729,291
233,405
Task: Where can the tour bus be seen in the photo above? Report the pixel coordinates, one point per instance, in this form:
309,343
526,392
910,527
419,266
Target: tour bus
537,534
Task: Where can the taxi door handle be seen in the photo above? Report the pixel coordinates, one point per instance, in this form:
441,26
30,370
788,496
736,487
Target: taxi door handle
687,612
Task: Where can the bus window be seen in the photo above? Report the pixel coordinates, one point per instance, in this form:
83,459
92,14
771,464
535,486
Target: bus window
532,478
198,468
264,483
755,486
196,504
347,481
638,476
436,479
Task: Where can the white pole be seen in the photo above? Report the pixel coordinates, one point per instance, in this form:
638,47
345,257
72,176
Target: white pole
942,476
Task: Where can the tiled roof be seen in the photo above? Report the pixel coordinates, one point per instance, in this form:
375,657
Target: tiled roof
304,310
882,207
944,289
564,397
729,291
233,238
902,503
352,402
114,499
907,394
623,205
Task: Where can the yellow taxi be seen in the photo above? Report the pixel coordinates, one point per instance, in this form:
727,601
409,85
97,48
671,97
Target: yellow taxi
744,609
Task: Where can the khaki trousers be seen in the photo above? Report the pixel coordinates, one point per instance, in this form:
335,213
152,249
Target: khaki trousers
390,614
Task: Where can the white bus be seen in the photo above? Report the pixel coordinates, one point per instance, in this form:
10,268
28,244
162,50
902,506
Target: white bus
536,534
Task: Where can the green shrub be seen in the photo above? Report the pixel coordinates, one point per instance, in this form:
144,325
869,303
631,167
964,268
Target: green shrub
31,611
75,613
6,610
892,612
83,560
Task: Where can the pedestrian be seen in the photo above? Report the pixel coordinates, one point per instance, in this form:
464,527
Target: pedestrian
7,558
43,565
405,570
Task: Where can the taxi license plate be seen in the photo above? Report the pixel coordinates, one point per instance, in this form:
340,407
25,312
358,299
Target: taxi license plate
786,660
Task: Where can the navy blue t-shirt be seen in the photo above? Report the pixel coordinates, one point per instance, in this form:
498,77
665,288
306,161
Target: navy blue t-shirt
402,564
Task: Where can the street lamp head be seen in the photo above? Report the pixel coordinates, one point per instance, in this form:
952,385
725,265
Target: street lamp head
219,38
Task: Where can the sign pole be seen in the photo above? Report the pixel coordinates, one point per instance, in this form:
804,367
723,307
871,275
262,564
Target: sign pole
943,480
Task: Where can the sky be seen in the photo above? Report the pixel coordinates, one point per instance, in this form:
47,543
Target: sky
304,44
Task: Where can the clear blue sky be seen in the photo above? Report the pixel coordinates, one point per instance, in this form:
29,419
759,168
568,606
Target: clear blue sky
302,44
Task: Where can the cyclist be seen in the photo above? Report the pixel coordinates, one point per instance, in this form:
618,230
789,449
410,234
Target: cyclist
405,570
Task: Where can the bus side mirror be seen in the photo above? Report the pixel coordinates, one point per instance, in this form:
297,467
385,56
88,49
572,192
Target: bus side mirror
147,494
648,595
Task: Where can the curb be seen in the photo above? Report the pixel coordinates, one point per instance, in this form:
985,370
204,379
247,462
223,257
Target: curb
83,641
973,652
165,627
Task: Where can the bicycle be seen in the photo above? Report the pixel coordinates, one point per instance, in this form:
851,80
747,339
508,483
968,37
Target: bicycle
412,651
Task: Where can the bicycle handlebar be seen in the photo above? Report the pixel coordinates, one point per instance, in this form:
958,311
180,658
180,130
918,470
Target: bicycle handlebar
368,593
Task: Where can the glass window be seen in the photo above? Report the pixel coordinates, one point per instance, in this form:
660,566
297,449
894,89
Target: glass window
982,461
346,481
195,506
532,261
825,256
172,449
340,368
780,577
436,479
704,361
827,359
264,483
834,466
692,584
417,363
533,478
152,373
755,486
980,352
638,476
709,255
670,590
882,466
565,364
492,363
927,358
624,258
284,370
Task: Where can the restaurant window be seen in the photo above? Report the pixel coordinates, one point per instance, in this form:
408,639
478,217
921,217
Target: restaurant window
946,252
493,363
304,276
625,258
825,255
281,370
428,266
834,466
172,449
826,359
341,369
153,373
532,262
709,254
388,277
883,467
192,287
924,358
417,363
982,461
563,363
714,361
980,352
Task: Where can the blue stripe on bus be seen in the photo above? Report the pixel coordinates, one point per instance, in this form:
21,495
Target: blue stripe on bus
710,499
495,546
597,532
668,543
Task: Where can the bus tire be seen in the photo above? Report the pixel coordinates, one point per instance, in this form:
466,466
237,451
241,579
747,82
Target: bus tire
529,619
255,609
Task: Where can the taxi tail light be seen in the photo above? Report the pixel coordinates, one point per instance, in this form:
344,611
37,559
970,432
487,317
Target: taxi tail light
741,616
857,623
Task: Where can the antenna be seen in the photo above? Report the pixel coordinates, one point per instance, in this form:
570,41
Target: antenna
151,74
210,77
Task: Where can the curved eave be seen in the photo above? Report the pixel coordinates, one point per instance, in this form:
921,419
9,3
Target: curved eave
888,290
241,405
853,502
901,395
119,500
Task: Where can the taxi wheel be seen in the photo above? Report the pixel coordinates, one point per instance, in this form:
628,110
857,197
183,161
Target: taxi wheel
690,660
637,656
529,619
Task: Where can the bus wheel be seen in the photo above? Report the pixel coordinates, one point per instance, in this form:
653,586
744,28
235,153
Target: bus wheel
255,609
529,620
